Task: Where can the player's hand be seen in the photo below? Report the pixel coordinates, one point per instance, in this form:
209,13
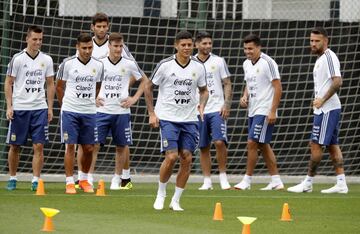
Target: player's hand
244,101
9,113
50,115
128,102
225,112
271,118
318,102
201,109
99,101
153,121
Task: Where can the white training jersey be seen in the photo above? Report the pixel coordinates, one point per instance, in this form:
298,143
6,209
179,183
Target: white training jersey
81,82
326,67
178,86
102,51
30,76
115,85
258,79
216,71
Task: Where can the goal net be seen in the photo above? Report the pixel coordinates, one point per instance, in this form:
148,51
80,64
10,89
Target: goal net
150,26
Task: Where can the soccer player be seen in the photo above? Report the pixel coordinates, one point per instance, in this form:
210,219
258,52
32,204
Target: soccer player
179,78
81,75
100,27
217,110
261,96
113,101
26,106
327,110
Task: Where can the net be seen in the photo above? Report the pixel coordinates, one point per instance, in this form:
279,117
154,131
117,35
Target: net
149,28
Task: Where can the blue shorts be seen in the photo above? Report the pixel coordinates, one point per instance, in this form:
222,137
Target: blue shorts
326,128
78,128
213,128
175,135
119,127
33,123
259,129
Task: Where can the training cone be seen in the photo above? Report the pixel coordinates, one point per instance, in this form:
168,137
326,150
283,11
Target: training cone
285,216
40,191
49,213
101,188
246,221
218,215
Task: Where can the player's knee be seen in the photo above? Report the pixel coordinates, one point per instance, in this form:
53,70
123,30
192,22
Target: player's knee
219,144
252,145
15,148
88,149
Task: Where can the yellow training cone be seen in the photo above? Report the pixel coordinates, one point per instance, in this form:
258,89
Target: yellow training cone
49,213
40,191
285,215
101,188
218,215
246,221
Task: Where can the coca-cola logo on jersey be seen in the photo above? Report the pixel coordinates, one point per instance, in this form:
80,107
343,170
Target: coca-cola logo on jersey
37,72
186,82
113,78
84,79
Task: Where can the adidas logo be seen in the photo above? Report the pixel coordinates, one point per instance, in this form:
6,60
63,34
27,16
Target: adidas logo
25,66
173,74
76,71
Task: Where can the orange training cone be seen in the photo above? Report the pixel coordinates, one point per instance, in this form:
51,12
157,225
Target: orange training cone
246,221
40,189
101,188
49,213
285,216
218,215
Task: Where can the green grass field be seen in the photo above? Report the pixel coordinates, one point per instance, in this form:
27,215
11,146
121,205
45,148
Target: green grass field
132,212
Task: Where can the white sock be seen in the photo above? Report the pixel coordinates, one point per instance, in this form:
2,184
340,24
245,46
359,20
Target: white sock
90,178
116,178
69,180
340,179
275,179
207,180
223,177
83,176
125,174
309,179
13,178
247,179
162,189
177,194
35,179
80,173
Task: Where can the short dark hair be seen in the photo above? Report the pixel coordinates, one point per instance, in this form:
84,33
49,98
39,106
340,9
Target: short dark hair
35,29
201,35
252,38
320,30
183,35
84,37
115,37
100,17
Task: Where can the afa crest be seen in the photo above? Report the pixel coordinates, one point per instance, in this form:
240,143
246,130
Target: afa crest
94,71
66,136
42,65
13,137
165,143
193,75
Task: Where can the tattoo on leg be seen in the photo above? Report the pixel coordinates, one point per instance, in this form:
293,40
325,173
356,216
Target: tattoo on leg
338,162
313,165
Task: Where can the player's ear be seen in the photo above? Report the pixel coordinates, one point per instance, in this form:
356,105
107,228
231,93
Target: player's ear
92,27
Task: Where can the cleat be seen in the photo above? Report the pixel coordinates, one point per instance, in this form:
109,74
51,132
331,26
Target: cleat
86,186
34,185
337,188
175,206
115,186
225,185
77,184
206,187
11,185
243,185
159,202
70,189
303,187
273,186
126,184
